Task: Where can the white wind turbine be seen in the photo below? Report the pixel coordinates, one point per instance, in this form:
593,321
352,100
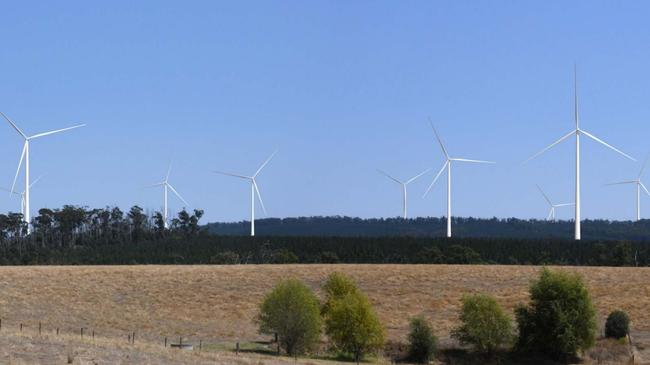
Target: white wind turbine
25,156
447,165
22,195
404,184
639,185
254,189
577,132
166,187
551,213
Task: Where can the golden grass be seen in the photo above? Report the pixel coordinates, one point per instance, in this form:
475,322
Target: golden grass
219,303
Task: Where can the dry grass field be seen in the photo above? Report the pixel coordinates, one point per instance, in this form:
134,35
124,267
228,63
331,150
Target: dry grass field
219,303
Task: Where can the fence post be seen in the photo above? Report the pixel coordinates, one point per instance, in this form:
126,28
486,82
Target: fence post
200,345
57,331
133,338
129,336
180,341
165,341
39,328
237,348
82,333
21,327
0,323
93,335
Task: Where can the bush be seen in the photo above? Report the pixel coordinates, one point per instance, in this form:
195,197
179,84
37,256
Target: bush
284,256
617,324
353,326
461,255
336,287
560,319
292,311
225,258
484,324
422,342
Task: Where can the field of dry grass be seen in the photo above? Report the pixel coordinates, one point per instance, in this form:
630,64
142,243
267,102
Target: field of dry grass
218,303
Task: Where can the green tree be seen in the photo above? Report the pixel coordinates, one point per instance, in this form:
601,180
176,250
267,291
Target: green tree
422,341
292,311
617,324
560,319
353,326
336,287
484,324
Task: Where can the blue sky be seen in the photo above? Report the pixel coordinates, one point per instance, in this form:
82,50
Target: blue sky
341,88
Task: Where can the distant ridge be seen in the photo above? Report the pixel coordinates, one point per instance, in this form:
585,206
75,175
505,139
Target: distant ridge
435,227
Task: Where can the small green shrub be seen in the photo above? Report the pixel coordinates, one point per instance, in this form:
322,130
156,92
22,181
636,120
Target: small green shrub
292,311
484,324
225,258
560,319
617,324
422,341
353,326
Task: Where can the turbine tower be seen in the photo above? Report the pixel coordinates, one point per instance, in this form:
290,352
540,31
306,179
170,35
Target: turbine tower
447,165
577,132
22,195
254,189
166,187
639,185
25,156
551,213
404,184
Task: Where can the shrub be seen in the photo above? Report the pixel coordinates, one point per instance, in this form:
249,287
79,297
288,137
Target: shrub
353,326
484,324
560,319
617,324
336,287
292,311
461,255
422,342
225,258
284,256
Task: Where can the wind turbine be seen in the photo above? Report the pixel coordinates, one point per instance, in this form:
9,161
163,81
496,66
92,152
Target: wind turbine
639,185
167,186
25,156
22,195
254,189
403,184
577,132
447,165
551,213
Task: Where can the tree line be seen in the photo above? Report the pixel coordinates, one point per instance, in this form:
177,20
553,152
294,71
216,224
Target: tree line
75,235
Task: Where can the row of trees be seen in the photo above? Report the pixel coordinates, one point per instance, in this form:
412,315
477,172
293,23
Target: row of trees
558,323
79,226
435,227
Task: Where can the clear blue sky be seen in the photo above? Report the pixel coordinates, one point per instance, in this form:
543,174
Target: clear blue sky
340,87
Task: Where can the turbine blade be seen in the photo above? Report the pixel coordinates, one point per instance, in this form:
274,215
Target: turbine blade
605,144
417,176
388,176
264,164
436,178
14,125
234,175
177,194
550,214
544,194
645,162
644,188
259,196
153,185
55,131
623,182
169,171
473,161
20,163
35,181
444,150
551,146
564,205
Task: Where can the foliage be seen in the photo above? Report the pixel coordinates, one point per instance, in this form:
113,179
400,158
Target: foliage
225,258
560,319
422,341
617,324
484,324
353,326
336,287
292,311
